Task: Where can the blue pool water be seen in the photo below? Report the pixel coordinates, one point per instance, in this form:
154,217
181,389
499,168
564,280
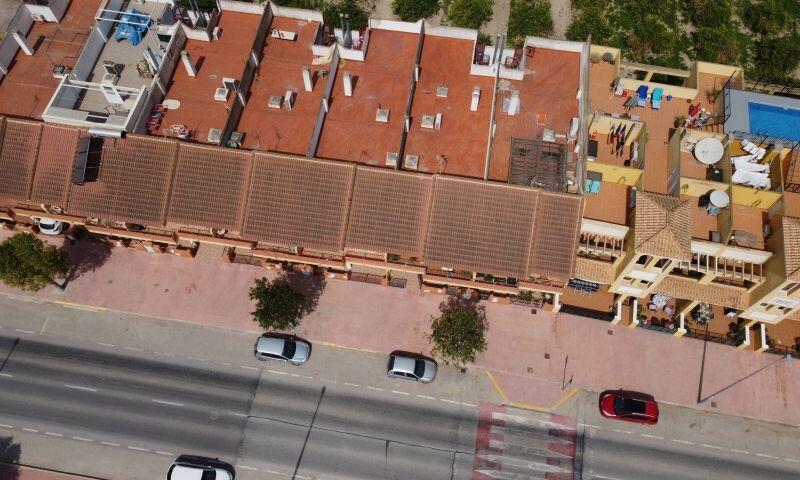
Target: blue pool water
780,122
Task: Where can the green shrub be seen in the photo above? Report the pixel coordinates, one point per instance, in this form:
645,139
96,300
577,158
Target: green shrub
485,38
529,17
307,4
413,10
358,16
469,13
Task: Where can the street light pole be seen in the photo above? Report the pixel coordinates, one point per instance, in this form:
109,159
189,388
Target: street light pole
788,358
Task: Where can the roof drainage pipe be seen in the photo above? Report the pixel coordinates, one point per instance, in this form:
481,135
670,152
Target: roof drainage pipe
104,132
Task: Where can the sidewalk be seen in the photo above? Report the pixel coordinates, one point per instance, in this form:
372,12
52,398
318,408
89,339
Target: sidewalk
383,319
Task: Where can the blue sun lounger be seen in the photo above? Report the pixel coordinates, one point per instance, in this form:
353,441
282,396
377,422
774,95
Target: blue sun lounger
658,94
641,96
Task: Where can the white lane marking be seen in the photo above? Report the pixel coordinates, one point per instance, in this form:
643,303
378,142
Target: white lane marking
165,453
3,425
307,377
41,332
7,375
110,444
277,372
400,393
622,431
245,467
197,359
81,439
471,405
590,426
31,430
793,460
603,477
745,452
24,331
764,455
651,436
426,397
275,472
53,434
165,354
237,414
248,367
685,442
377,389
139,449
227,364
352,384
134,349
329,380
164,402
78,387
710,446
109,345
449,401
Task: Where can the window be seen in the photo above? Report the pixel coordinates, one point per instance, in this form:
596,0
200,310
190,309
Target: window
662,263
791,288
643,260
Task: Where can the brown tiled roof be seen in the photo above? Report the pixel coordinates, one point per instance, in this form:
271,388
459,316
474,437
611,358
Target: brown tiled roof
556,228
389,211
299,202
210,187
18,157
53,176
594,270
689,289
134,182
482,227
791,245
663,226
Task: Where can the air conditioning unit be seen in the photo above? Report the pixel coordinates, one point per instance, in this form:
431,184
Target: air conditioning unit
391,159
112,68
221,94
275,101
38,17
283,34
288,100
230,83
109,79
411,162
382,115
214,135
441,91
428,121
549,135
437,122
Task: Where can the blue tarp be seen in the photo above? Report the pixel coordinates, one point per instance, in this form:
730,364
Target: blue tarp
132,26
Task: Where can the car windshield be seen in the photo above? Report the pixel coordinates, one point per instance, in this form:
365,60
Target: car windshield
628,406
419,368
209,475
289,348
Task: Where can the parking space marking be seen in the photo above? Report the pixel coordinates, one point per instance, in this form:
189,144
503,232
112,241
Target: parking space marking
110,444
651,436
82,439
377,389
245,467
7,375
426,397
450,401
78,387
400,393
3,425
237,414
710,446
138,449
793,460
685,442
134,349
167,454
109,345
165,402
29,332
764,455
277,372
248,367
740,451
31,430
355,385
471,405
53,434
622,431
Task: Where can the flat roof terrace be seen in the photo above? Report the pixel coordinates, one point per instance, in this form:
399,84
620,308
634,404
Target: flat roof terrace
29,84
609,205
281,69
547,95
351,131
460,143
213,60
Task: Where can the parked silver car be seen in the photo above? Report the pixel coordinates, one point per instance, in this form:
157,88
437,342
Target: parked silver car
51,227
191,467
275,346
417,368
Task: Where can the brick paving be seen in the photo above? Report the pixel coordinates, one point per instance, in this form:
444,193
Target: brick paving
532,357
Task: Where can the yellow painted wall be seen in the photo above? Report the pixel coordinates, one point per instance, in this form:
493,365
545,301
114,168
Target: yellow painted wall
717,69
602,124
695,187
614,174
675,91
750,197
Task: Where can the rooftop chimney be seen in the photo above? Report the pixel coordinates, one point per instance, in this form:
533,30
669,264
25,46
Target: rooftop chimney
307,83
476,97
348,84
513,105
187,63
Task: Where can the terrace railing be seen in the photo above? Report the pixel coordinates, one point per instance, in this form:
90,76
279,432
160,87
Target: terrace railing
784,350
723,338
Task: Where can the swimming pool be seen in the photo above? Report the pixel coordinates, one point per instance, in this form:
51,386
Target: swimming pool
780,122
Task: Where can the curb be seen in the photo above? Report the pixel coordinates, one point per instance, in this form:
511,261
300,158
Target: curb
529,406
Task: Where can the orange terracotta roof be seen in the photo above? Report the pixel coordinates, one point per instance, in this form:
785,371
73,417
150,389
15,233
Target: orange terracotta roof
18,157
663,226
135,176
791,245
53,176
690,289
481,227
299,202
557,224
594,270
389,211
210,187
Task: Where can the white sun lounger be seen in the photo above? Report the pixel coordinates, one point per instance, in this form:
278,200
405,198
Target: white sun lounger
754,179
742,164
747,158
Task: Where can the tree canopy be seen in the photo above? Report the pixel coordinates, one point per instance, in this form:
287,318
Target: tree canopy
470,13
413,10
458,334
529,17
278,305
28,264
357,16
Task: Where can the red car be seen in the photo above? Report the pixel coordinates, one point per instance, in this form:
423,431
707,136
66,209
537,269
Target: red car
629,406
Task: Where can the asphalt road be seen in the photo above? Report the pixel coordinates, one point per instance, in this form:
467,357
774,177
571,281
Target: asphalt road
118,397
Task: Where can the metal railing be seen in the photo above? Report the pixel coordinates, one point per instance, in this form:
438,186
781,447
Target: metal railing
657,328
784,350
723,338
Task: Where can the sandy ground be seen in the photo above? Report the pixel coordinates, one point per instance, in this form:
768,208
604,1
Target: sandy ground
562,17
498,23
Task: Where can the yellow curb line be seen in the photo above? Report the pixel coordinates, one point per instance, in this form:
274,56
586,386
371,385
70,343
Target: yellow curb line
81,306
529,406
336,345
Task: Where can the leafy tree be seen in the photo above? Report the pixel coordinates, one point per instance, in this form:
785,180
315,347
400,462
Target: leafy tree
590,22
769,16
27,263
458,334
470,13
777,57
529,17
485,38
357,16
413,10
278,305
307,4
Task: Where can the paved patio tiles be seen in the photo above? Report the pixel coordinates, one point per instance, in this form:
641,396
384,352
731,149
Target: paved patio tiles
530,357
